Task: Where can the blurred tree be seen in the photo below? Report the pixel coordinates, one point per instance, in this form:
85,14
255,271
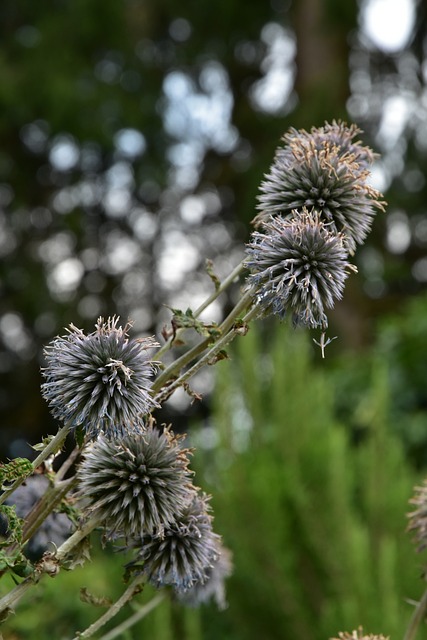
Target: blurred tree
134,136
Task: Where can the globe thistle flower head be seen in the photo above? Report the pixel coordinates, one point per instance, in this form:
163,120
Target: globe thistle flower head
338,136
359,635
54,530
137,485
184,553
297,266
99,381
418,517
325,172
213,587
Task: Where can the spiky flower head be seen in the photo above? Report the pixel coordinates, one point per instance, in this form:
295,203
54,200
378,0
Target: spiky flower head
54,530
298,266
182,556
99,381
337,135
213,587
137,485
418,518
326,171
359,635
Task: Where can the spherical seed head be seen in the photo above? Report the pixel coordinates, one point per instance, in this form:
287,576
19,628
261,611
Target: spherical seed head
359,635
337,135
99,381
297,266
418,517
54,530
183,555
137,485
213,587
326,171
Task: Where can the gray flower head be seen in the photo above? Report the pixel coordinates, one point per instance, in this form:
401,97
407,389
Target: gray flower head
338,136
137,485
183,555
358,634
297,266
213,587
418,518
54,530
99,381
325,171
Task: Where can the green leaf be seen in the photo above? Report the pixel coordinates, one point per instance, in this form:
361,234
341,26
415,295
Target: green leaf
17,468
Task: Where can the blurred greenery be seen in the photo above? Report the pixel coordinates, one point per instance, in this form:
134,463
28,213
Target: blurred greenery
316,521
315,518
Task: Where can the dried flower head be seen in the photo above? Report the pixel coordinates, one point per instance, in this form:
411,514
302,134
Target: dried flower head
359,635
337,135
213,587
182,556
418,518
297,266
136,485
54,530
326,171
99,381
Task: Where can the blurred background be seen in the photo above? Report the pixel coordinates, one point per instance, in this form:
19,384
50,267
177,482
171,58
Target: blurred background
134,135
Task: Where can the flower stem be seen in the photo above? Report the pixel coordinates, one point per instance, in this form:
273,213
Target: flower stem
137,616
54,445
418,616
114,610
222,287
45,506
176,366
75,538
17,592
210,355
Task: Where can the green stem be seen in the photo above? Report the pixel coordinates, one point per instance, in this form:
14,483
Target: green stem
54,445
219,344
13,597
223,286
68,463
113,610
176,366
76,537
418,616
137,616
45,506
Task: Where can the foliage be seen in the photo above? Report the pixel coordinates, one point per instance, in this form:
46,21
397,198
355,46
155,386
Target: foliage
316,522
400,344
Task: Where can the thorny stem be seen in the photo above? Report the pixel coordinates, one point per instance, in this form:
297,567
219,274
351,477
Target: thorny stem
114,610
54,445
17,592
43,507
210,355
223,286
77,537
418,616
192,353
